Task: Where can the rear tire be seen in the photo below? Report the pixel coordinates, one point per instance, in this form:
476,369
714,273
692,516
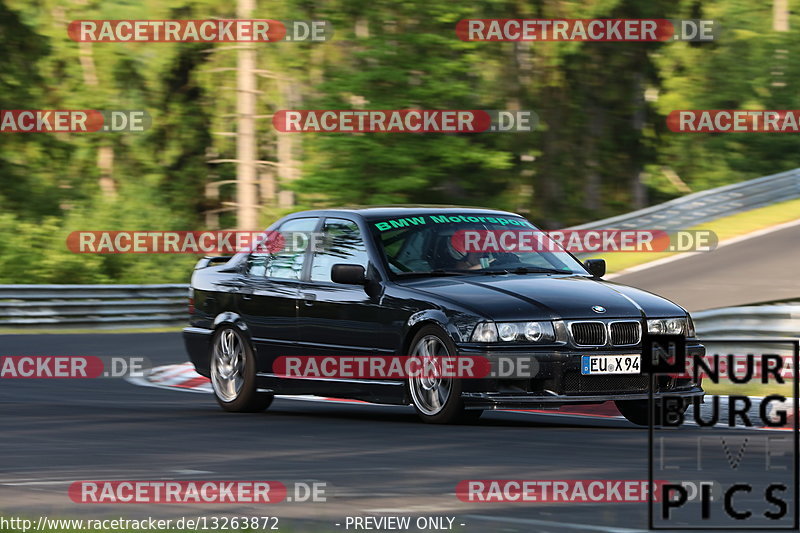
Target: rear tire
437,400
233,373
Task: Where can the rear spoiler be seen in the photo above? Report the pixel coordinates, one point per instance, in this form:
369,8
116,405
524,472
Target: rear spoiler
209,260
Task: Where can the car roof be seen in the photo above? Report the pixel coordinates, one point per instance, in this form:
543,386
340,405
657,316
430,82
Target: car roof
389,211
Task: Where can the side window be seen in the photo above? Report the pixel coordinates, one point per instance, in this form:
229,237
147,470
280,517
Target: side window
341,243
288,263
257,265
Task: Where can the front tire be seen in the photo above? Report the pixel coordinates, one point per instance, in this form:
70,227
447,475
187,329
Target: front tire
638,411
233,373
437,400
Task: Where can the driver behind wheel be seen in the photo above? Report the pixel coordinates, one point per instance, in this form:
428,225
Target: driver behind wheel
473,261
452,257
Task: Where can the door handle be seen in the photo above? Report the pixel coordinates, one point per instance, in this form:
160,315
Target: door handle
247,297
309,298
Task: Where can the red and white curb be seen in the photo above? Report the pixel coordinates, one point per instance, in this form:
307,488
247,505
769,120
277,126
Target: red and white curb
183,377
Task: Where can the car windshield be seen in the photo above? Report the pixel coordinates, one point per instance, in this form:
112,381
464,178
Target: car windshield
447,244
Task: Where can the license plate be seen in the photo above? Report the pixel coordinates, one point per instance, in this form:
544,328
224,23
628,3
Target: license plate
610,364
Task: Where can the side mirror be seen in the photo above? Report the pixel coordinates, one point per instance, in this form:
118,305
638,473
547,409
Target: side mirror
596,267
348,274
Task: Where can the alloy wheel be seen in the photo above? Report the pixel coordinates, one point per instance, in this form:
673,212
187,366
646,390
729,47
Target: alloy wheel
227,366
430,391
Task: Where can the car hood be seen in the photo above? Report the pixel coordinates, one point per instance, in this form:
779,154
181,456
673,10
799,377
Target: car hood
515,297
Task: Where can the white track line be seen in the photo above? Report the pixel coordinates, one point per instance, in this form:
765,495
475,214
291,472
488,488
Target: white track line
678,257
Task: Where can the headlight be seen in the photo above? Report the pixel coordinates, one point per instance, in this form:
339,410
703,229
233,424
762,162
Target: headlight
485,332
690,332
669,326
514,331
533,331
507,331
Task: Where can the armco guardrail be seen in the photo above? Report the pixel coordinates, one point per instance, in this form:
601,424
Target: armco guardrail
119,306
95,306
703,206
767,321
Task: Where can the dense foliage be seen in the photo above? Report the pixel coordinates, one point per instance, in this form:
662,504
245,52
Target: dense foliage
601,148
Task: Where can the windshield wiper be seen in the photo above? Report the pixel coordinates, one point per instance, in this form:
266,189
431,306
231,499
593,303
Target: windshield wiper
438,272
486,272
527,270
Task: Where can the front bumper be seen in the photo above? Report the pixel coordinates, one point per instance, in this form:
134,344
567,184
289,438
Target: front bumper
491,400
554,380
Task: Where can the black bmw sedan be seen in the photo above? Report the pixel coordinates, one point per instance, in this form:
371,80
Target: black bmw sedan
396,282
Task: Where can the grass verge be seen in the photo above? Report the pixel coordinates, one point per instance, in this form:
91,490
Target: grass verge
725,228
755,388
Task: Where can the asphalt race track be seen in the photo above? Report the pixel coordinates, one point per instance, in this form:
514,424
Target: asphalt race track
759,269
376,460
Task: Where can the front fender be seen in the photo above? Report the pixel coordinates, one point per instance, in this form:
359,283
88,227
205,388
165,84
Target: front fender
456,327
